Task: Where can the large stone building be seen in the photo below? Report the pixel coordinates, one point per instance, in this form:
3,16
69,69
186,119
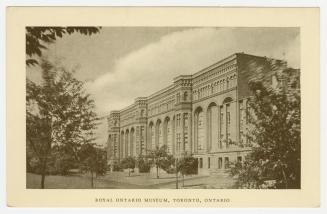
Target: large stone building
200,114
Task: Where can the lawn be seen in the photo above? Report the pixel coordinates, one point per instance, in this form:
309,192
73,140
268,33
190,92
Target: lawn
33,181
121,180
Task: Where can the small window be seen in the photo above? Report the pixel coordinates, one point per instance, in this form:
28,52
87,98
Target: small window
239,159
226,162
208,163
220,163
201,163
185,96
178,97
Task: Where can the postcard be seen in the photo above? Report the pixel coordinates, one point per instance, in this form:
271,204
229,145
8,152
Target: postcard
163,107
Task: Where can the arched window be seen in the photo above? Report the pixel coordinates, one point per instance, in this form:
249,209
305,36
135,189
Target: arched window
159,134
199,124
168,135
152,136
122,146
227,103
212,125
127,146
132,145
201,131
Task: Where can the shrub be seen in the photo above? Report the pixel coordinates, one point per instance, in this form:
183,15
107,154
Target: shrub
117,167
144,165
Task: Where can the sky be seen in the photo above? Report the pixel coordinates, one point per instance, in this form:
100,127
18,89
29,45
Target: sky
122,63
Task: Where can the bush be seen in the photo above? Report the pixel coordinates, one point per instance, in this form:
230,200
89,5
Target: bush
144,165
117,168
170,170
188,165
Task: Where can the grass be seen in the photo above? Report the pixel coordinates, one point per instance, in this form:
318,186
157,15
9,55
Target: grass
33,181
121,180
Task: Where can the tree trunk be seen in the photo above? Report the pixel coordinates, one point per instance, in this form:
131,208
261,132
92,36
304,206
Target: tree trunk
129,172
42,180
176,173
176,179
285,179
43,172
183,179
92,182
157,171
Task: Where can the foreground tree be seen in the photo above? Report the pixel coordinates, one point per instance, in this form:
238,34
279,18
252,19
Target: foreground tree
59,116
143,164
274,134
128,163
187,165
38,37
92,160
161,159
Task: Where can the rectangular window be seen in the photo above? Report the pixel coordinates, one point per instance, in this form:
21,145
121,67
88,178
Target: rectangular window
228,115
209,163
221,121
226,162
185,138
242,120
239,159
185,120
141,147
201,163
220,163
241,114
247,113
178,141
221,124
227,124
178,120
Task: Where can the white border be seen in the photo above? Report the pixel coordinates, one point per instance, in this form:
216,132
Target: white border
231,3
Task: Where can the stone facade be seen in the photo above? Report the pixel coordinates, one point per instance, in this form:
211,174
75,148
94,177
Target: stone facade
200,114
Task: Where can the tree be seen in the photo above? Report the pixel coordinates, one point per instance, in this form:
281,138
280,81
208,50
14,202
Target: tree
128,163
187,165
59,116
38,37
161,158
274,134
143,164
93,160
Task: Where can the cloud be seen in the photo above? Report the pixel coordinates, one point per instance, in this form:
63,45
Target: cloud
153,67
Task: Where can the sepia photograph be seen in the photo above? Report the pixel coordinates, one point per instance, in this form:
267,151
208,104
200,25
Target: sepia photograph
163,107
